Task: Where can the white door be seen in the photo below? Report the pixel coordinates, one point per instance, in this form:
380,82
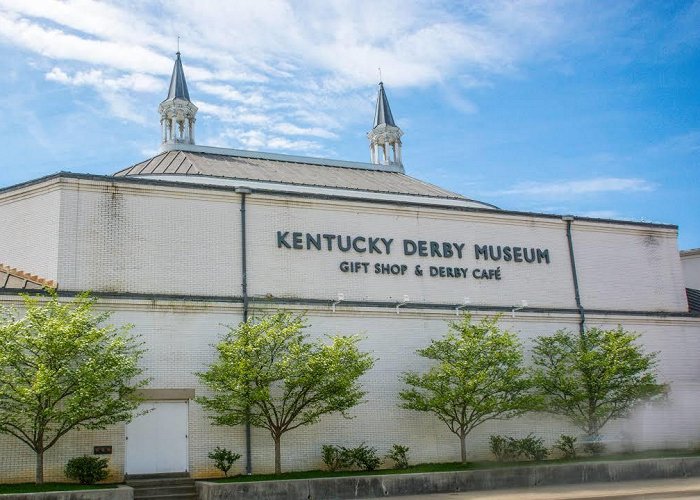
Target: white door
157,441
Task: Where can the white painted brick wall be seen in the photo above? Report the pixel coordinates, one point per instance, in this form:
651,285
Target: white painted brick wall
691,270
180,339
171,241
29,238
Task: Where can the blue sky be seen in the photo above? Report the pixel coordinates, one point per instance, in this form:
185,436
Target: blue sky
583,107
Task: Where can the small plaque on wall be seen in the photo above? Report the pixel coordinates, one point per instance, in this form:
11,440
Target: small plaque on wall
102,450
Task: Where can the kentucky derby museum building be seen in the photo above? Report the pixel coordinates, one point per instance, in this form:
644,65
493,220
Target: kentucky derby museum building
199,237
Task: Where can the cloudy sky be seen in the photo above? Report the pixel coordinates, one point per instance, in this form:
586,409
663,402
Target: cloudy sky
583,107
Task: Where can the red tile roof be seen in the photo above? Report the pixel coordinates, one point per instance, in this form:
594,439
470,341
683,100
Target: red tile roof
13,278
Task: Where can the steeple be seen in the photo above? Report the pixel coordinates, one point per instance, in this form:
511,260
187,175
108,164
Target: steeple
385,136
177,112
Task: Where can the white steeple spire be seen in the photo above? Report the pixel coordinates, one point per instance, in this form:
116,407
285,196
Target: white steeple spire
177,113
385,136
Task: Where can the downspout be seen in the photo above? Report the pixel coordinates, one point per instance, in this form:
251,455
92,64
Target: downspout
581,311
243,191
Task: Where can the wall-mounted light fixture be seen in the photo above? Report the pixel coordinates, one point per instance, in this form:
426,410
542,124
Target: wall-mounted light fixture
523,305
465,302
405,301
341,297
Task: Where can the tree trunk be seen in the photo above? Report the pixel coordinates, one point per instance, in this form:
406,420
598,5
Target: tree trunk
278,455
39,477
463,448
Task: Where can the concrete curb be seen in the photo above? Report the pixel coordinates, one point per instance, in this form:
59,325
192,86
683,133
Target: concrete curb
448,482
119,493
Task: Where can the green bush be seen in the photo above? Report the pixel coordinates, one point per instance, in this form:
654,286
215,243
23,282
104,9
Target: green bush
504,448
223,459
567,445
399,454
365,457
532,447
508,449
336,457
87,470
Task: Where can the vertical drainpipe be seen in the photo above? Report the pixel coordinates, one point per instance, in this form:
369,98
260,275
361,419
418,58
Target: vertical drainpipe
243,191
582,313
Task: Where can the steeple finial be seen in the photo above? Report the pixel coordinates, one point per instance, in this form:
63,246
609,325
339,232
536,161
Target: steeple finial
385,136
177,112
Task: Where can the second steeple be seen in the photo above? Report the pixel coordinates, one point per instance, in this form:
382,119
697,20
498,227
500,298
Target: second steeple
177,112
385,136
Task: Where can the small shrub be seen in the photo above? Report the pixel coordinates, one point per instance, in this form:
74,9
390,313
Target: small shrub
399,454
532,447
504,448
223,459
365,457
567,445
336,457
593,445
87,470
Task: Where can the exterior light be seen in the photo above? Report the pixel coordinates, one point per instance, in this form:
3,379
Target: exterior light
341,297
465,302
406,300
523,305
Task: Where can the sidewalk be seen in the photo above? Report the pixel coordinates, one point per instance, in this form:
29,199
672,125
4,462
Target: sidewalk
663,488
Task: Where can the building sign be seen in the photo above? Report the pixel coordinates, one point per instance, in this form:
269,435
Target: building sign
443,259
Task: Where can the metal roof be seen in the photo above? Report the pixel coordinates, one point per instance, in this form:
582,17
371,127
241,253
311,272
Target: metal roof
273,169
382,113
178,85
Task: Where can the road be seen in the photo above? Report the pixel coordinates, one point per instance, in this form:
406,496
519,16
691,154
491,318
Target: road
666,488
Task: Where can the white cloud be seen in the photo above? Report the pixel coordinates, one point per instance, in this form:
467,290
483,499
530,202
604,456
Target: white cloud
559,189
311,62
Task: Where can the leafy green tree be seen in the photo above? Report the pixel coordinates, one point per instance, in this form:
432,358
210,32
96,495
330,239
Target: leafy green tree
594,377
63,368
269,374
478,376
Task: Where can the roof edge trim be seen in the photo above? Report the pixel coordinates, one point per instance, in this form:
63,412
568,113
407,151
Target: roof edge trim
195,148
135,180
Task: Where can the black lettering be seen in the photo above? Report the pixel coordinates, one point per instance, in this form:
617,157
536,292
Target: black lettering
542,254
387,244
447,250
435,249
355,245
297,241
373,248
495,257
282,239
433,271
459,248
507,254
442,272
311,241
377,269
450,273
517,254
423,248
340,244
344,266
329,239
409,247
483,250
404,268
529,257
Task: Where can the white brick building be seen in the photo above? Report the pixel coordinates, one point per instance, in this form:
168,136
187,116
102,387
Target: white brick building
161,243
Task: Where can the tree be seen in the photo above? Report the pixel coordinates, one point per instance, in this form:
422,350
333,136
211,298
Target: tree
478,376
63,368
593,377
269,374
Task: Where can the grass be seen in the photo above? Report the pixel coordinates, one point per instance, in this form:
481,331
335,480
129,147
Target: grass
38,488
457,466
